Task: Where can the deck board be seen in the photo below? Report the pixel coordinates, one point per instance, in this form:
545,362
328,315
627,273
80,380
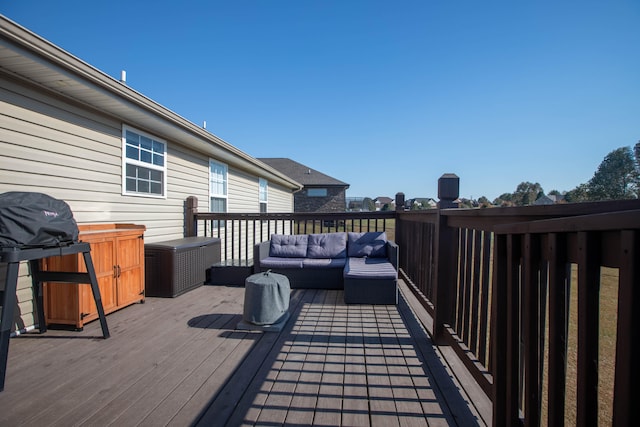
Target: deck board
181,361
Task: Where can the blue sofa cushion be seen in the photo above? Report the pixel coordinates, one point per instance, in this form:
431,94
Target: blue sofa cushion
327,245
370,244
288,246
369,268
324,262
281,262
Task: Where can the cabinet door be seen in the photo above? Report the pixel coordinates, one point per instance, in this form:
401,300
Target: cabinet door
103,255
130,274
73,303
61,300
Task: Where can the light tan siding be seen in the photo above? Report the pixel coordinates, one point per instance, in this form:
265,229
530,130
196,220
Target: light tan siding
243,192
244,197
73,152
280,199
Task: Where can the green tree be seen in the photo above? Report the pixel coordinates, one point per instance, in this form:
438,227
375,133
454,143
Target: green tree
617,177
368,204
578,194
505,199
484,202
526,193
465,203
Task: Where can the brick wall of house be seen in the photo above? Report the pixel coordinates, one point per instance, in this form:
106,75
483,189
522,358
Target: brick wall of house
334,202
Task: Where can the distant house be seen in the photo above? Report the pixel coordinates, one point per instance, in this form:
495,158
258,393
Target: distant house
355,204
363,204
115,156
544,200
557,198
420,203
550,199
320,192
382,201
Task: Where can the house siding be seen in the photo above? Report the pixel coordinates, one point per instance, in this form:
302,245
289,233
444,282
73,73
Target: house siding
72,152
242,192
279,199
244,197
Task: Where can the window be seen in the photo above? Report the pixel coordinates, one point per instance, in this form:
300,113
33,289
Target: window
144,164
263,194
217,189
317,192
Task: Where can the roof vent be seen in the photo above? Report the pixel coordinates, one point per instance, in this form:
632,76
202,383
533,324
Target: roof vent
308,171
123,77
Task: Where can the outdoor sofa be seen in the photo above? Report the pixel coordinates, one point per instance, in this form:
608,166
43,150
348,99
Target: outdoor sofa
364,264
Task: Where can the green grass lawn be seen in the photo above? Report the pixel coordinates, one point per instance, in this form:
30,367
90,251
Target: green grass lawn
607,344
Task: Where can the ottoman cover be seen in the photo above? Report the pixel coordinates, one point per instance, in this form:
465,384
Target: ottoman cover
266,298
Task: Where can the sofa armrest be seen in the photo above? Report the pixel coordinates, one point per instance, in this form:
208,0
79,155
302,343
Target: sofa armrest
392,253
260,252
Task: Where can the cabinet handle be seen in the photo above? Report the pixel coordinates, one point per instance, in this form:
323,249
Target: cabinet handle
115,271
119,271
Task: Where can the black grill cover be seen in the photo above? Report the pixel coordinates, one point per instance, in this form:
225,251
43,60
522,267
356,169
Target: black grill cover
30,220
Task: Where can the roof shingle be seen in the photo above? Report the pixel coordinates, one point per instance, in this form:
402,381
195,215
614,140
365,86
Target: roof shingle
303,174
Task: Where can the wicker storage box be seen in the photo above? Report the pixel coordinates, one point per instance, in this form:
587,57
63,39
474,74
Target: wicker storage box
177,266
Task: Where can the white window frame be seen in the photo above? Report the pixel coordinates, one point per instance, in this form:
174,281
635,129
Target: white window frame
263,194
225,184
139,163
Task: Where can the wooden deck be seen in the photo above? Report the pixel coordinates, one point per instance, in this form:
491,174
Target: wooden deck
181,362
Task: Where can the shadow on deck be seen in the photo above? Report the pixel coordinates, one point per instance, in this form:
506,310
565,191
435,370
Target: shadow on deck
182,362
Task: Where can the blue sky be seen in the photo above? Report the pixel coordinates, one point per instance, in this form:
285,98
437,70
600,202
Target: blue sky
384,95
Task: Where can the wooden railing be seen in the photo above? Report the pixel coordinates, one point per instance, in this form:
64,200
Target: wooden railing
497,283
240,232
532,319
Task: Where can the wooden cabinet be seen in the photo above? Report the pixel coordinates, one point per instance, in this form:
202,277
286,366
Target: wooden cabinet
117,251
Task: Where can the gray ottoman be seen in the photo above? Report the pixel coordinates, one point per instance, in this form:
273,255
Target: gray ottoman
266,302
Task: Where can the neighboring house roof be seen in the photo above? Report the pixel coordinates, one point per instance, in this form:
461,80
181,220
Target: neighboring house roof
544,200
29,57
556,197
303,174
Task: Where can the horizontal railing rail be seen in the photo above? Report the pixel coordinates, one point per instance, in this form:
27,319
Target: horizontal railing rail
240,232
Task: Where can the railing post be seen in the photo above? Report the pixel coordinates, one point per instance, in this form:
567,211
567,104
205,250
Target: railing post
398,225
399,202
448,190
190,221
446,252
